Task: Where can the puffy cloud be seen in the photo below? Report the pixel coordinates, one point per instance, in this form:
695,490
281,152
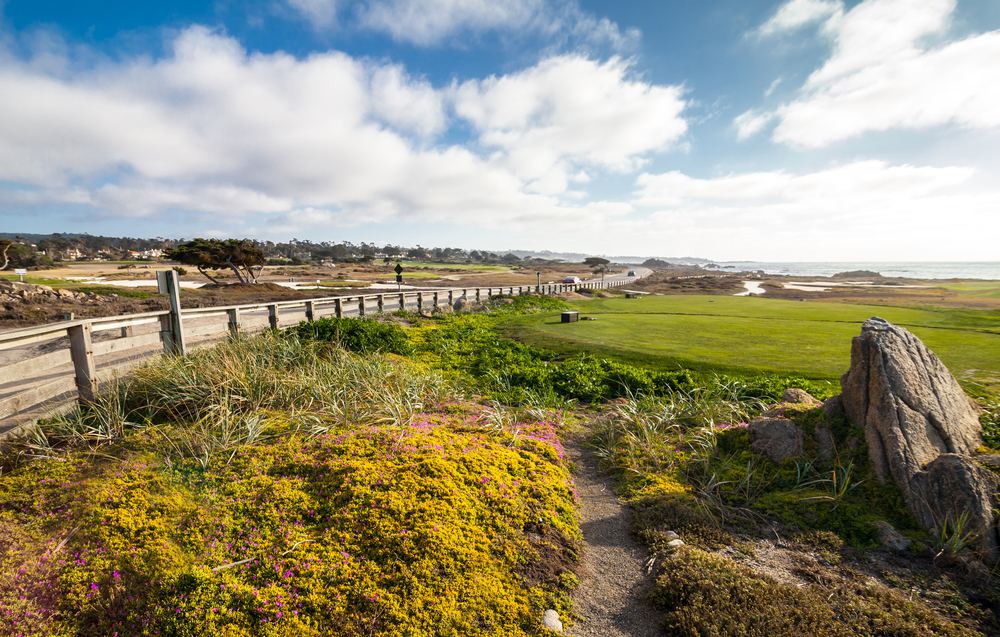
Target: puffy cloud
570,111
407,104
224,135
868,210
882,75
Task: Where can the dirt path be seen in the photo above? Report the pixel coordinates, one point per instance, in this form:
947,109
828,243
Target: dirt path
610,600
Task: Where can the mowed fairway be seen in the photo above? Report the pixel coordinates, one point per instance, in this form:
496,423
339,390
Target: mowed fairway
751,335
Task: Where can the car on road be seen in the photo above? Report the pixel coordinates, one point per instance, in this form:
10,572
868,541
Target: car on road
631,272
572,279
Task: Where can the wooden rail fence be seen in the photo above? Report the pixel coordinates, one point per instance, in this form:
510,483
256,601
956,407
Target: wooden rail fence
51,368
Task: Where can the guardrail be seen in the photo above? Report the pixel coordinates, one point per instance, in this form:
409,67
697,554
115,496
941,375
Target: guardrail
56,366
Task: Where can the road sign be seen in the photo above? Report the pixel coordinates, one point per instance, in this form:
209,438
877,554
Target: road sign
399,269
20,272
399,278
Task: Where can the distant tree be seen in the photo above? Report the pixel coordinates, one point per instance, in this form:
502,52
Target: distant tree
598,265
243,257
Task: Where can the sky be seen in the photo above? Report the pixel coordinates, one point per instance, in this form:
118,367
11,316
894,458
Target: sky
817,130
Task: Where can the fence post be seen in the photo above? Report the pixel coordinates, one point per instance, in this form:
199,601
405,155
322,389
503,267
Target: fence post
434,299
173,327
234,321
126,331
338,308
272,316
81,350
478,291
420,302
361,305
402,301
381,303
451,298
310,314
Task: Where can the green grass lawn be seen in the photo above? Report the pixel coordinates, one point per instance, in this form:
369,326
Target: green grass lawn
751,335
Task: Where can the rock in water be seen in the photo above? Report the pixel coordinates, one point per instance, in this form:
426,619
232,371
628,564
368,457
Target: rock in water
920,427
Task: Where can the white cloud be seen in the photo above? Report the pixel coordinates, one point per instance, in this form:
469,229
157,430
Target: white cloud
796,14
867,210
321,13
218,133
883,75
443,22
570,111
750,123
407,104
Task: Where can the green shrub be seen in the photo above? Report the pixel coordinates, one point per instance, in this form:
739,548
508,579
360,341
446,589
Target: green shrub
707,594
357,335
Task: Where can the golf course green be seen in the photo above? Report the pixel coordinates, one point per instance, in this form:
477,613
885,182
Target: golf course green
750,335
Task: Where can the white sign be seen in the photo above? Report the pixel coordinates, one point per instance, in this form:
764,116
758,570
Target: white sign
20,271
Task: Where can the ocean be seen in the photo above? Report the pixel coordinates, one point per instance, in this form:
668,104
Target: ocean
908,269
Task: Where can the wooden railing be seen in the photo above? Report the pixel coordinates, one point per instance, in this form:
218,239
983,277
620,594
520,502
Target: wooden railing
48,369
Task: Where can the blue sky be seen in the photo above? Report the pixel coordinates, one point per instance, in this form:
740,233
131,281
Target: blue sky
769,130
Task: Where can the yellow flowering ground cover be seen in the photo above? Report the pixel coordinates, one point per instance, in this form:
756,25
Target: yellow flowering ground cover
446,521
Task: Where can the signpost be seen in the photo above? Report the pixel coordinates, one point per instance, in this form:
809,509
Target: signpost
20,272
399,276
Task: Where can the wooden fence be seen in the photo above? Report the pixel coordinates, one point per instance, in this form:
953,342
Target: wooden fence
51,368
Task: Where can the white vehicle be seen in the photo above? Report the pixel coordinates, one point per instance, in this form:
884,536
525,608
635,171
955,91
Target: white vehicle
572,279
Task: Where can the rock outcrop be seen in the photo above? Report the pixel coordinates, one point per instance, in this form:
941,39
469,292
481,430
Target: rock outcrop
777,438
921,429
796,396
910,405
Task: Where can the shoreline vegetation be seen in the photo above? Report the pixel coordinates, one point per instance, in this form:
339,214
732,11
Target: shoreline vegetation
407,475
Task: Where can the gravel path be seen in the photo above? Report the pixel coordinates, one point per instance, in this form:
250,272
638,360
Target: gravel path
610,600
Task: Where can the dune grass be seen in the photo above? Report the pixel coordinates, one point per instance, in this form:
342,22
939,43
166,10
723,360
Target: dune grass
754,335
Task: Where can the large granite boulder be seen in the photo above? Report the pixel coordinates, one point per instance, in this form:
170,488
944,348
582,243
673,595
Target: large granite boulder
910,405
921,429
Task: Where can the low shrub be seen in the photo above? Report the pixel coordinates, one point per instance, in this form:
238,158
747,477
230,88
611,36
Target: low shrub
279,486
707,594
363,336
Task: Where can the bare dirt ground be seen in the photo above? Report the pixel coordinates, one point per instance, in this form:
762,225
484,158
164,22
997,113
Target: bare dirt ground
611,598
